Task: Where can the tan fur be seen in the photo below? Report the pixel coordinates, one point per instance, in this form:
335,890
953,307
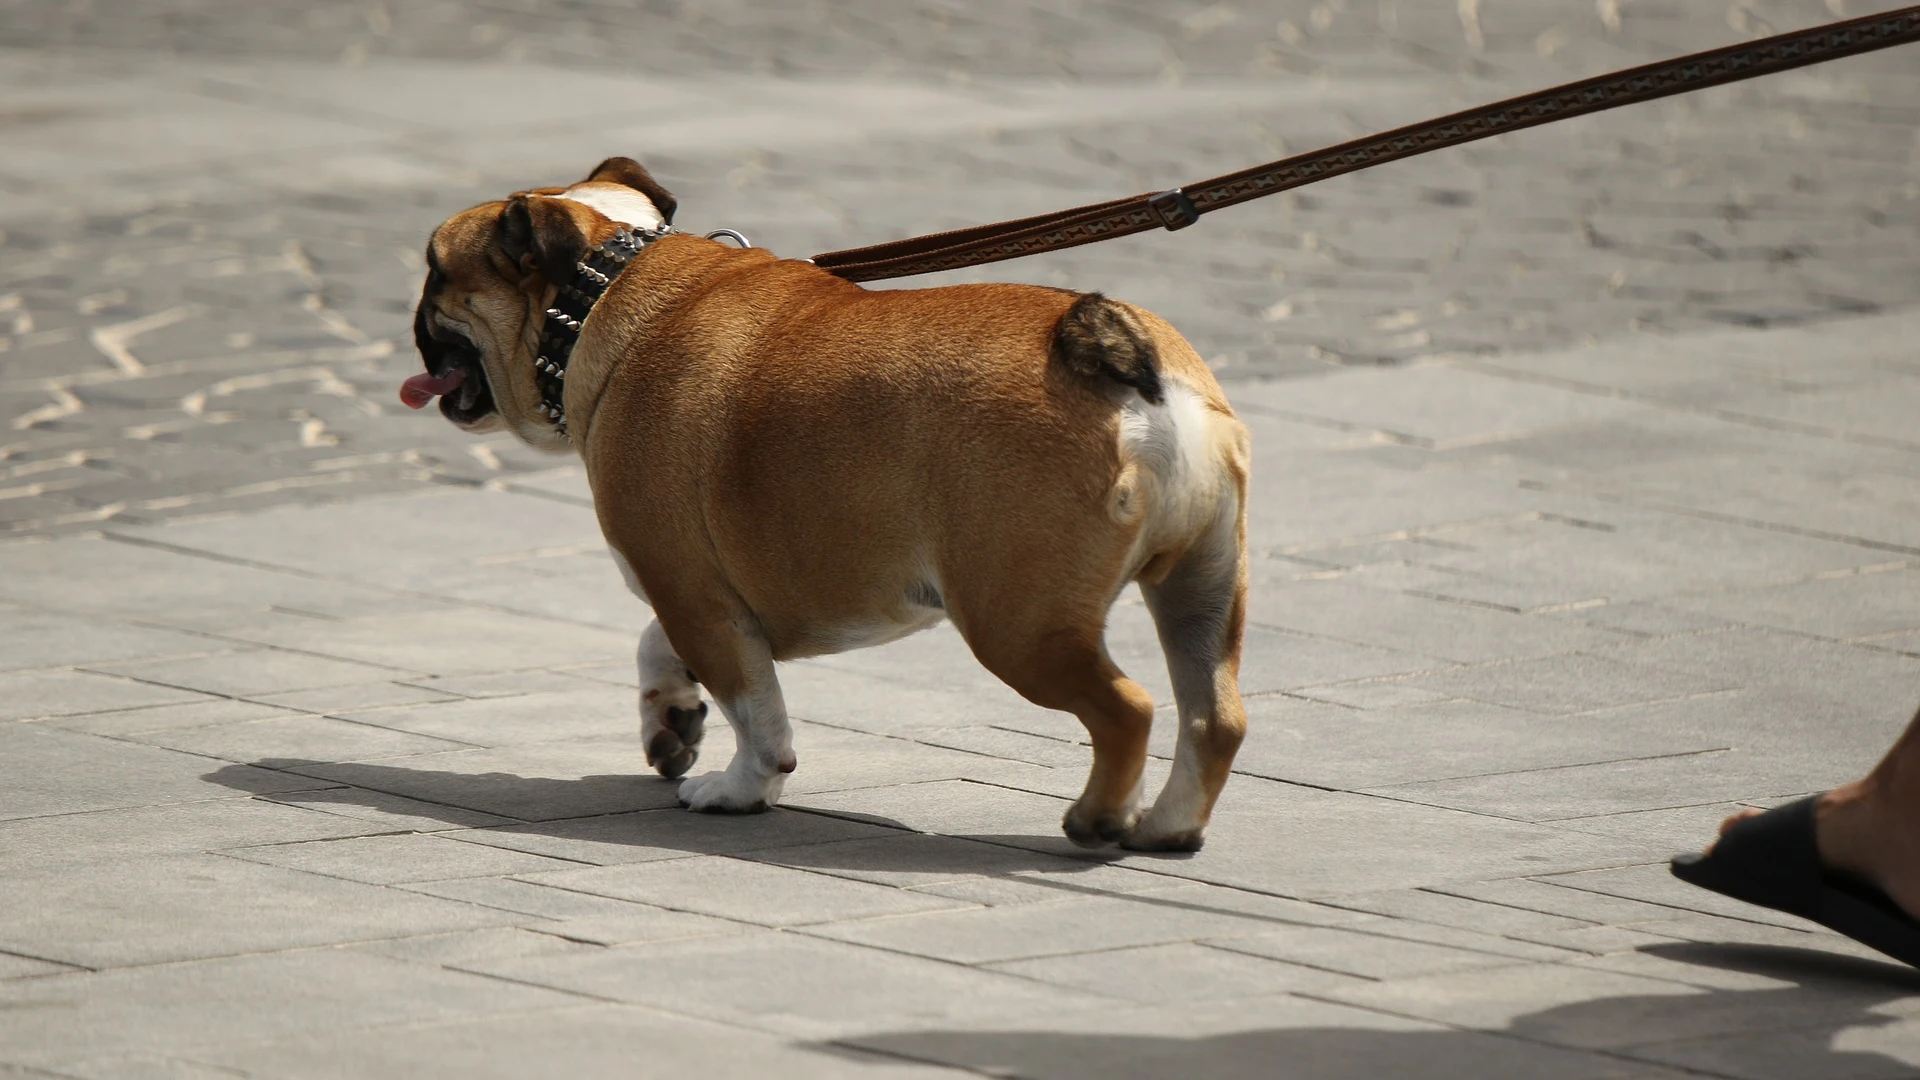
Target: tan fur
783,457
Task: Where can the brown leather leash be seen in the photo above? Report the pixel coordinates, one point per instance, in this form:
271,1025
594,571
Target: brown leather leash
1180,207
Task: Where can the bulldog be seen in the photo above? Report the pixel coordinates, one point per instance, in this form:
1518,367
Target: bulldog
786,464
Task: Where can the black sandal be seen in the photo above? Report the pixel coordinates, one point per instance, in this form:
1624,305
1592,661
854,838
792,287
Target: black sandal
1772,860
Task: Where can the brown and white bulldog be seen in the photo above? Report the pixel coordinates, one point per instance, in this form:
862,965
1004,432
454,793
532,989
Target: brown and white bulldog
786,464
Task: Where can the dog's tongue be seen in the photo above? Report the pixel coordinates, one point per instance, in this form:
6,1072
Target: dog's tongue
422,388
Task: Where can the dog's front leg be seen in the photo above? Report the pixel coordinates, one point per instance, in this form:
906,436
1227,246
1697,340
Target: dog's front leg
672,716
740,676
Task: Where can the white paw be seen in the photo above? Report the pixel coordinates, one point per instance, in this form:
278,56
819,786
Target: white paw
731,792
1165,829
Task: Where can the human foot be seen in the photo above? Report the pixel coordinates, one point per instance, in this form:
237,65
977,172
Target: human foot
1862,831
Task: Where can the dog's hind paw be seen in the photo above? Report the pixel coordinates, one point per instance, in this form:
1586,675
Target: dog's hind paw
1151,835
674,744
730,793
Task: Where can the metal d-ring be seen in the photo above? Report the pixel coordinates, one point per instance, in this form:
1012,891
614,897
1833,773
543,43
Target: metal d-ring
730,234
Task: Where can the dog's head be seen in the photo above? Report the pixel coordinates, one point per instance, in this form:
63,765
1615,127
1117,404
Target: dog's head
490,271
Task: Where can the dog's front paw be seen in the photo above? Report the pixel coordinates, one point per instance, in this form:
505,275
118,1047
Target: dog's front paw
730,792
673,734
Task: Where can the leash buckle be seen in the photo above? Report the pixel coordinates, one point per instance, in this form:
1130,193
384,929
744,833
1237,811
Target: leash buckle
1174,209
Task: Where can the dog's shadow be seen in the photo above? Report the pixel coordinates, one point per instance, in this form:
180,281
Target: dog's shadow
643,812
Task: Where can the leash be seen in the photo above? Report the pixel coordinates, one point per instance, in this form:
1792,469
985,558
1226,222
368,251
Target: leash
1180,207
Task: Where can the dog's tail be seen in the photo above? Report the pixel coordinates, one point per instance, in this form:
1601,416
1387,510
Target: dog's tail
1099,338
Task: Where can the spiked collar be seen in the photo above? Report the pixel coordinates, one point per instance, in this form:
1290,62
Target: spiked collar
572,303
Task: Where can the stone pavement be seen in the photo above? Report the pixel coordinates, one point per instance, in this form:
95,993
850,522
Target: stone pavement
211,211
1587,509
355,789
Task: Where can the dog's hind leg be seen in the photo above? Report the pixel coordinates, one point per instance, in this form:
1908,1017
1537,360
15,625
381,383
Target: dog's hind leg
736,667
672,716
1067,668
1200,610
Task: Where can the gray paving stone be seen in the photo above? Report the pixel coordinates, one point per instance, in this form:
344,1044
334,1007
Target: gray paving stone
793,984
418,532
741,890
582,711
122,723
1870,682
1179,972
1855,606
386,812
1394,620
1552,897
1359,954
1580,791
1605,1005
64,772
1790,1055
530,899
13,966
1241,1038
1574,549
947,807
836,759
465,946
1681,828
395,859
497,684
611,839
581,1041
989,935
38,639
241,672
1354,749
317,737
1336,843
440,642
1569,684
104,836
43,694
1436,406
932,862
347,701
123,579
193,1008
1444,910
533,782
198,906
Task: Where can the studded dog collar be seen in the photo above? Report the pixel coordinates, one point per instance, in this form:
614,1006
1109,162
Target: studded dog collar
572,304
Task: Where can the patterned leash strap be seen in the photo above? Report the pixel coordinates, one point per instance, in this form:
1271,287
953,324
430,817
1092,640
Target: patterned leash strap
1181,207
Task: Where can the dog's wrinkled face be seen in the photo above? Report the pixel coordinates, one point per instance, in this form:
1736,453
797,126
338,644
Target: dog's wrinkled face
491,272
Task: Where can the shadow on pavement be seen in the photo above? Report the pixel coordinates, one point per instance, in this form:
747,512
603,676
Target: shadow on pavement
643,811
1786,1031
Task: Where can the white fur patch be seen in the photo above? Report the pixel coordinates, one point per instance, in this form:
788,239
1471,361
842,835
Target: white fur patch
1172,441
619,203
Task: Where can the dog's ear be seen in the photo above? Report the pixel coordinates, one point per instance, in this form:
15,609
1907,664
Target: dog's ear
625,170
537,235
